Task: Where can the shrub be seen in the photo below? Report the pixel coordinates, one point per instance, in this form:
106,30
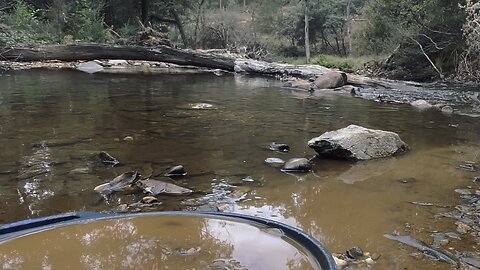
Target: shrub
329,62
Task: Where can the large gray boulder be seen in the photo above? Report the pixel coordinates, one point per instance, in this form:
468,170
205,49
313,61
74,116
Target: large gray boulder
330,80
358,143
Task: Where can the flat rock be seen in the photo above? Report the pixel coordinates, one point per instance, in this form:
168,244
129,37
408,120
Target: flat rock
274,162
156,187
90,67
358,143
119,183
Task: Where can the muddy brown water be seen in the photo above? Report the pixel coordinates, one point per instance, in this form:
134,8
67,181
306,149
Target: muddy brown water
53,124
162,242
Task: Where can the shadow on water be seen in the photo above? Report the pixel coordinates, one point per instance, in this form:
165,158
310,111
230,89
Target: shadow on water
53,124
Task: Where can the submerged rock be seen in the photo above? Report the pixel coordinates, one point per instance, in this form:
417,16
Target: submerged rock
297,165
176,171
120,183
107,159
447,109
299,83
468,166
358,143
280,147
330,80
197,106
436,253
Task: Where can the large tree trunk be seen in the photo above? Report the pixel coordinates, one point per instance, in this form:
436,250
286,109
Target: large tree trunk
179,24
97,51
145,7
307,39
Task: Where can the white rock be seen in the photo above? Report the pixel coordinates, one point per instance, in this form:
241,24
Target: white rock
90,67
117,62
358,143
339,262
421,104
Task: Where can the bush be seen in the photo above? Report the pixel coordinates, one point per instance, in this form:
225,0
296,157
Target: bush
22,26
85,22
329,62
291,51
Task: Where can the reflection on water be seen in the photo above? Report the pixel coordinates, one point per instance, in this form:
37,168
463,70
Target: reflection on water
53,124
165,242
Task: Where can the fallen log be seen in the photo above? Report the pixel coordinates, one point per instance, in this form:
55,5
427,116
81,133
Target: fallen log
101,51
161,53
306,72
266,68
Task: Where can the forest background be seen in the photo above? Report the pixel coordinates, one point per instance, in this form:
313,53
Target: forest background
406,39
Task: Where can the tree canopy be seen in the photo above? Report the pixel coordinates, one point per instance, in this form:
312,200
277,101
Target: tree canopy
432,38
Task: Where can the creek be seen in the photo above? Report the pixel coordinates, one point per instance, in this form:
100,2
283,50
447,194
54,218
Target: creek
53,124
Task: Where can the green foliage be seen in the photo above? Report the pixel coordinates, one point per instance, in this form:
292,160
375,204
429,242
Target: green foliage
18,26
85,22
290,51
329,62
23,17
425,30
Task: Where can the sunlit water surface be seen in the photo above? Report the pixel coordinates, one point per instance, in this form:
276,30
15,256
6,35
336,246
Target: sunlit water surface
53,124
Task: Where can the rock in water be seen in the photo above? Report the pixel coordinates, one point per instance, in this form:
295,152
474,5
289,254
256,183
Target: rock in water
119,183
421,104
107,159
275,162
280,147
358,143
155,187
176,171
436,253
330,80
297,165
90,67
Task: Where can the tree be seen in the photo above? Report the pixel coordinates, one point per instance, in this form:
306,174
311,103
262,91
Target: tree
429,33
307,40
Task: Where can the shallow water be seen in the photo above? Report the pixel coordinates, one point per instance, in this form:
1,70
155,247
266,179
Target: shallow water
53,124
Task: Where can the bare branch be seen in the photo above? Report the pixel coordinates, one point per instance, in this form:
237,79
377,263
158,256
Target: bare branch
428,58
433,42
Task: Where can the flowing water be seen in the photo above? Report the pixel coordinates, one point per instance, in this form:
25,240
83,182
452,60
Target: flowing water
53,124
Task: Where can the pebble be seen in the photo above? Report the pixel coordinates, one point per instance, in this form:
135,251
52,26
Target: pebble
128,139
375,256
462,227
355,253
447,109
149,200
463,191
176,171
339,262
